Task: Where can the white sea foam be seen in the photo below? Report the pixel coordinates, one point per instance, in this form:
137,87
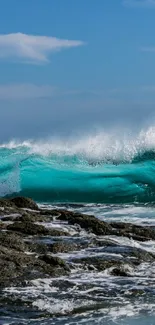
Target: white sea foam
58,300
143,215
112,145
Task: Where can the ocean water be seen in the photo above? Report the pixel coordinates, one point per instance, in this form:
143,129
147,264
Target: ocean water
101,168
110,176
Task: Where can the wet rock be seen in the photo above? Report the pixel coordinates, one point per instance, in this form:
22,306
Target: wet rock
17,266
10,217
54,261
2,225
12,265
52,212
19,258
90,223
23,258
101,242
47,268
133,231
32,229
6,203
118,271
57,233
28,228
8,272
63,247
139,255
130,254
11,240
32,217
23,202
38,248
98,263
136,292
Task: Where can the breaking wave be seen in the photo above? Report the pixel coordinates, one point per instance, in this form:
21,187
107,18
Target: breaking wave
100,168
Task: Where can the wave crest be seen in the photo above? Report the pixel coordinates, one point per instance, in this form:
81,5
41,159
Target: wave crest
99,168
111,146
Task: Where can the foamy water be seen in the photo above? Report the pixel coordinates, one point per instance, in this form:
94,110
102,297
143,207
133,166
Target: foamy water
89,296
112,176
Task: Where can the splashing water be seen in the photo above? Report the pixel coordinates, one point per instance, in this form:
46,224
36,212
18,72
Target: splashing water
98,168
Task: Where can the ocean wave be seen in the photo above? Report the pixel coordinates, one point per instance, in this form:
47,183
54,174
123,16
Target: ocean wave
103,167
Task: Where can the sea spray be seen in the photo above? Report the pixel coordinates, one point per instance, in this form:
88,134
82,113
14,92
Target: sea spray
99,168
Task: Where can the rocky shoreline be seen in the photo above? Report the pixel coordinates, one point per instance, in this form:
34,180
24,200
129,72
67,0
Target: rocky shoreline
29,249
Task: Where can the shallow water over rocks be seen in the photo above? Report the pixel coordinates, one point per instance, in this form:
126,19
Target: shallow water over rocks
60,266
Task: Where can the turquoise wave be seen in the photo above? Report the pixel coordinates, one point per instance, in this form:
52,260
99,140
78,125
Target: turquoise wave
54,173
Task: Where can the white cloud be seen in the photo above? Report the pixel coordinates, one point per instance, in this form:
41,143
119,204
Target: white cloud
139,3
26,91
30,48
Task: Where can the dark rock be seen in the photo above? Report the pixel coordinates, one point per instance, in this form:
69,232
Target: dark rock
8,272
98,227
8,218
23,202
28,228
38,248
130,254
63,247
32,229
32,217
57,233
2,225
50,213
13,255
135,292
97,242
99,263
90,223
117,271
5,203
133,231
17,267
53,260
139,255
50,269
11,240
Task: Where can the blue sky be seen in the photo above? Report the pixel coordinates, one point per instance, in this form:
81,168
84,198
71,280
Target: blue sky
67,65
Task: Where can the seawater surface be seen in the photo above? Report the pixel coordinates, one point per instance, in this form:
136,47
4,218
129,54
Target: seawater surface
111,178
97,169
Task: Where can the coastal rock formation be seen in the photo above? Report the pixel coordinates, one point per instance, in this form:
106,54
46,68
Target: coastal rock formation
25,203
29,248
33,229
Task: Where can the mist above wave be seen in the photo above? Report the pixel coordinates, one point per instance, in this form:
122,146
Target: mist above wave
99,146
